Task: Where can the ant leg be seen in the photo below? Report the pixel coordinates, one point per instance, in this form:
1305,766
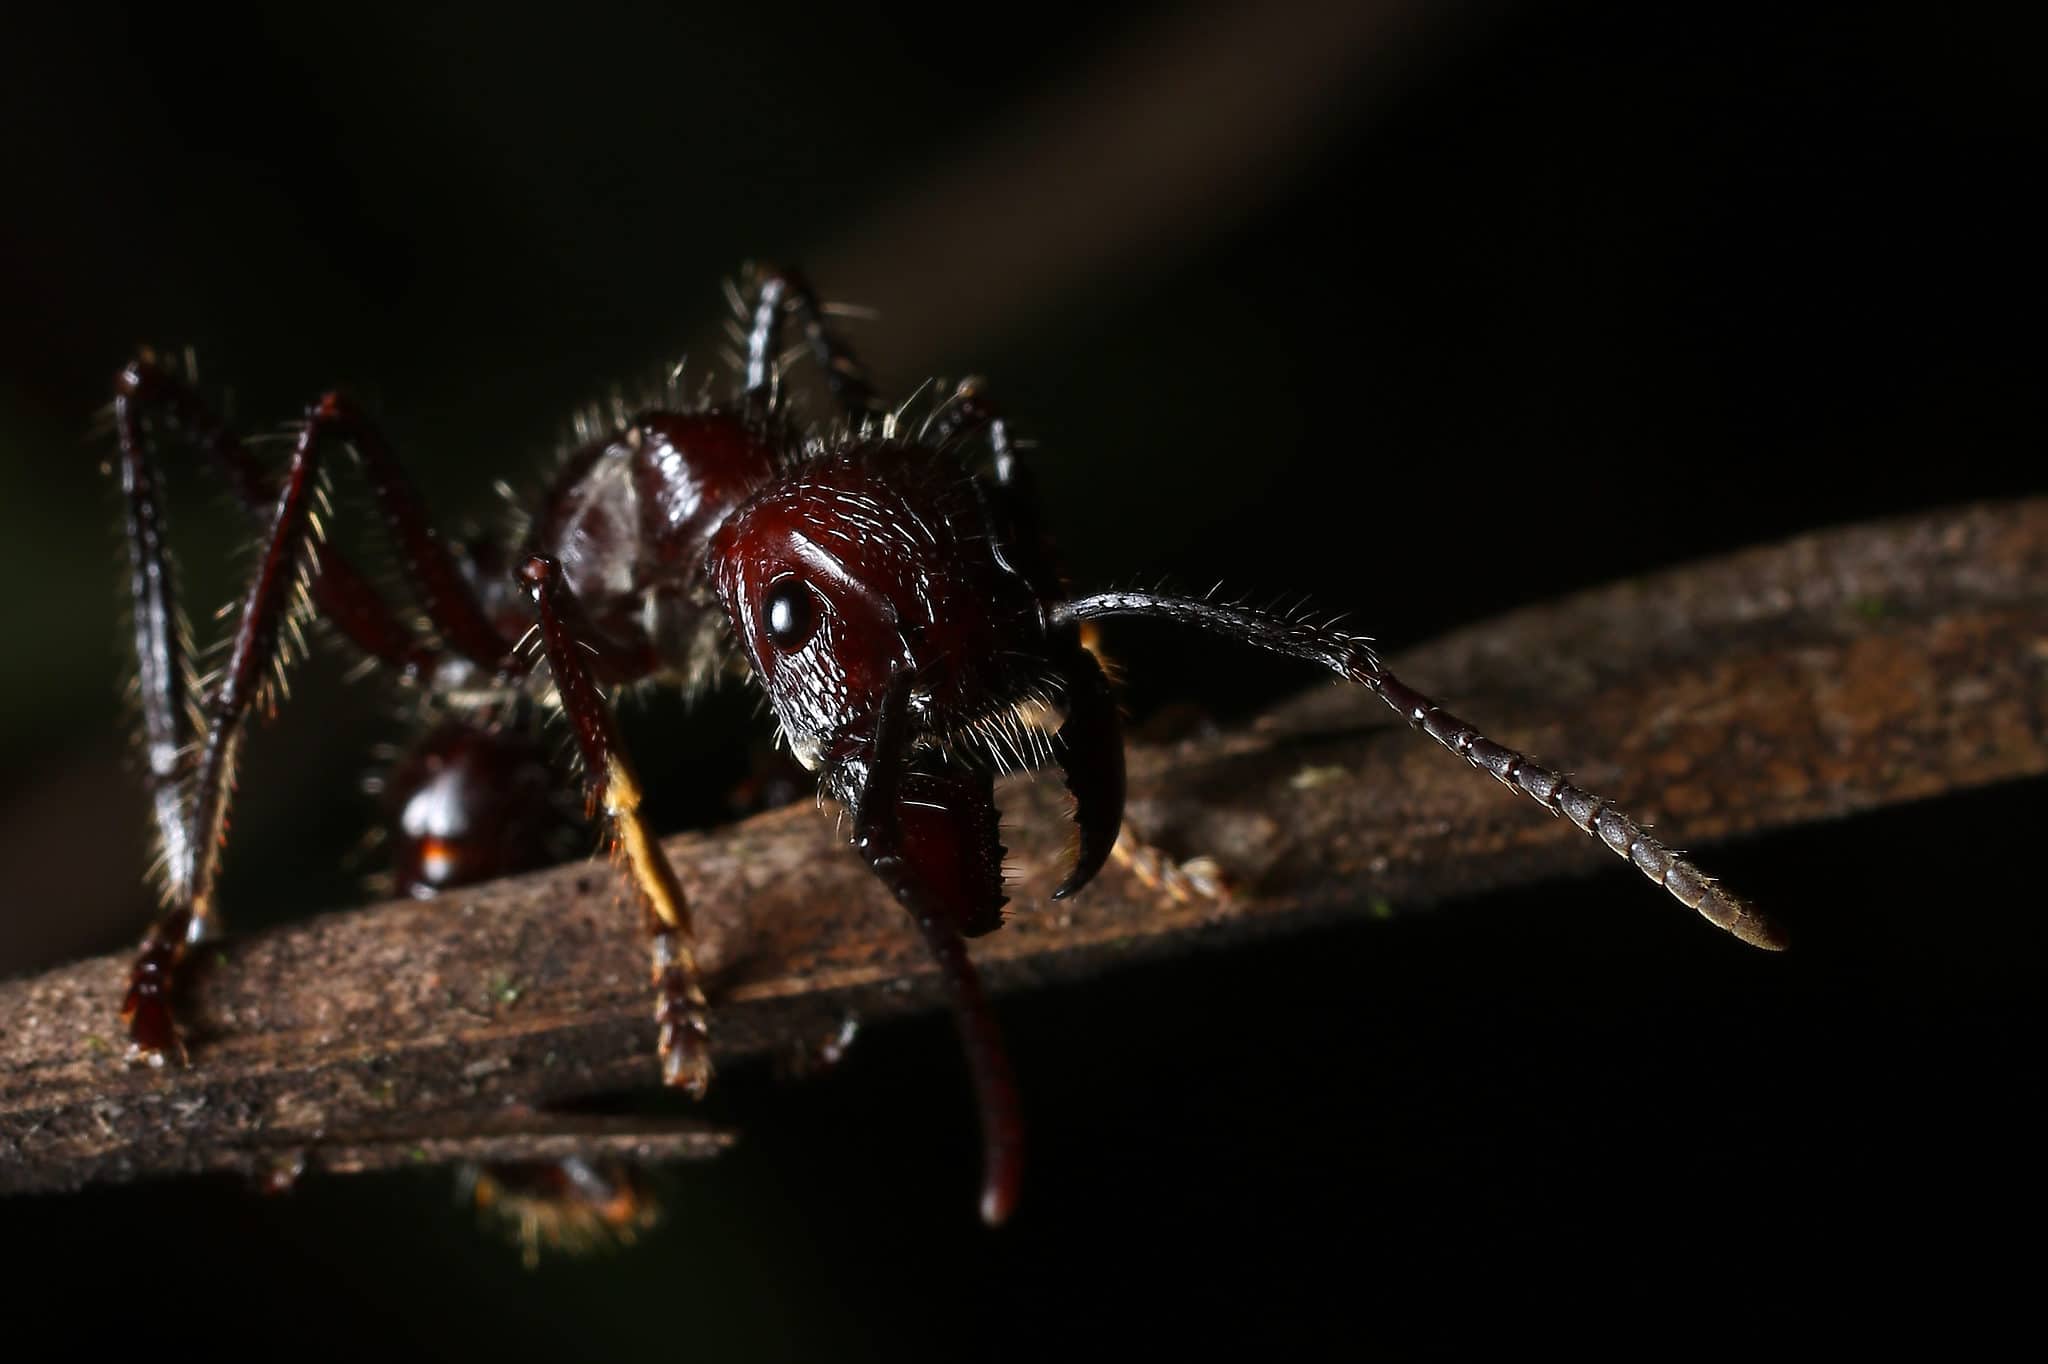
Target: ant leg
972,413
574,1204
1011,500
345,597
340,592
192,816
613,787
1179,881
1352,658
444,593
779,291
163,654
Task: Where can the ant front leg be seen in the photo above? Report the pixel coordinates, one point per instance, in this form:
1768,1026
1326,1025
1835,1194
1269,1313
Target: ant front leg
614,788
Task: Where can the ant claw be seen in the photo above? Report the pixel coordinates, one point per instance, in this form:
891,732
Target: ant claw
143,1057
1090,746
686,1055
153,1037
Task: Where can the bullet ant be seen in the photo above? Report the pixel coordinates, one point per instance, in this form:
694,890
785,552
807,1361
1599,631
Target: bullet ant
892,591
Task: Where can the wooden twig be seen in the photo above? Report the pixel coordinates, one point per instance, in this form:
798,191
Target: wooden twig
1837,672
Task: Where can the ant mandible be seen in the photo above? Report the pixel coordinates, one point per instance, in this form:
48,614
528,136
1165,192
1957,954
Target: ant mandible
894,594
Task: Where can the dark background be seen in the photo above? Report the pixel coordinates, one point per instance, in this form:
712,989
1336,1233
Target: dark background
1627,284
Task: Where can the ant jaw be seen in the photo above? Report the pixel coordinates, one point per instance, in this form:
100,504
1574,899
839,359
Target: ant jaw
1090,747
947,813
928,828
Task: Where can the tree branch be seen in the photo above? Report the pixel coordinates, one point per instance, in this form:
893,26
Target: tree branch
1840,671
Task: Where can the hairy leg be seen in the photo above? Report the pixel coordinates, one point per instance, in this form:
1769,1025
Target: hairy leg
614,789
192,782
191,786
147,390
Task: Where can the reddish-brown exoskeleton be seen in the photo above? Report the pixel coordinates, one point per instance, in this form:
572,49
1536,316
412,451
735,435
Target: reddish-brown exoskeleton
893,593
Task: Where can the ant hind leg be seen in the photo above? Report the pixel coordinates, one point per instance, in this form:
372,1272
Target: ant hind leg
297,576
191,784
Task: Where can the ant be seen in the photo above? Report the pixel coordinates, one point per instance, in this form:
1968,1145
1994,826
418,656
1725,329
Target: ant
894,594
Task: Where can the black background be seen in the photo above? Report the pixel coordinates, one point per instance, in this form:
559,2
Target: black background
1629,283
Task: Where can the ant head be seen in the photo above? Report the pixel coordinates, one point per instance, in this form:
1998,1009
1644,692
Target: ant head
870,562
884,570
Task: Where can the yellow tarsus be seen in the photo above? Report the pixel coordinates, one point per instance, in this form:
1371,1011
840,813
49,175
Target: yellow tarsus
650,869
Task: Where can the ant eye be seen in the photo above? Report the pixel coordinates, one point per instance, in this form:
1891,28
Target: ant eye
792,616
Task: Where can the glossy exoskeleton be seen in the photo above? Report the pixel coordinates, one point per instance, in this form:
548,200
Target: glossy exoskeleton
893,592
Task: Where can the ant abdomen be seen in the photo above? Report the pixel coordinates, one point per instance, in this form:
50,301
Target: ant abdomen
471,803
